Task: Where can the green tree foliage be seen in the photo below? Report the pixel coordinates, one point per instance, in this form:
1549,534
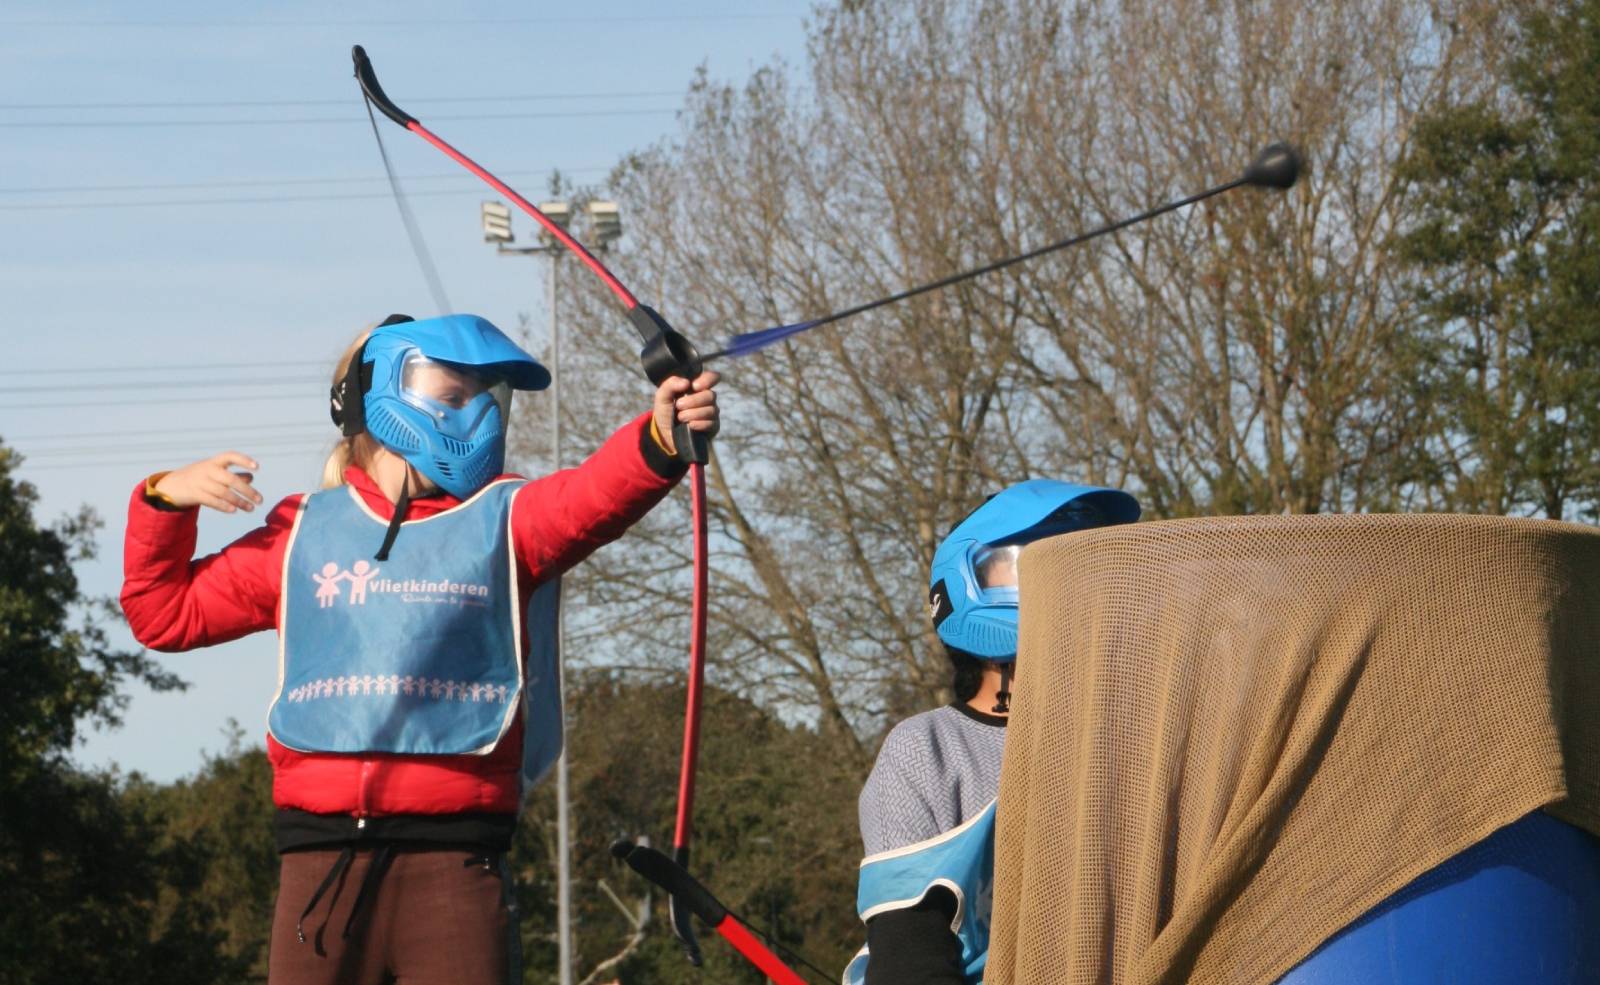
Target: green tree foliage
774,837
216,829
77,862
1506,360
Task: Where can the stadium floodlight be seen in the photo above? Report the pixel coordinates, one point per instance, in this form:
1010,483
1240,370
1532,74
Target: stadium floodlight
605,223
496,222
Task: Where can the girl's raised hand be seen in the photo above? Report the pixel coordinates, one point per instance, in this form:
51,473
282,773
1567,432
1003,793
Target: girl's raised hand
212,483
692,402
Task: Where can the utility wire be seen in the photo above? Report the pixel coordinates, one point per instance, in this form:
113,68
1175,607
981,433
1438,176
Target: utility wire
310,120
253,381
141,432
156,447
272,182
152,367
220,400
237,103
415,22
243,200
143,462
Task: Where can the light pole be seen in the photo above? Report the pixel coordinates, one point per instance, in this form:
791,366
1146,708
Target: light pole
604,227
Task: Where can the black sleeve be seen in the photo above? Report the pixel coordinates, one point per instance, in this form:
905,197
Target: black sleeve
662,464
915,946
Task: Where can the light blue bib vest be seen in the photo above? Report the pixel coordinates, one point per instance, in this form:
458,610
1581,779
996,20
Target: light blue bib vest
962,861
418,654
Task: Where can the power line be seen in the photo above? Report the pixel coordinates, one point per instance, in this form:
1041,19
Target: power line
221,399
416,22
240,200
229,429
124,368
314,120
271,182
148,384
237,103
176,446
142,462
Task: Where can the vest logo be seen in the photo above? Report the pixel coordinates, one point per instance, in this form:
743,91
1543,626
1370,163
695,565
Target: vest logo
363,578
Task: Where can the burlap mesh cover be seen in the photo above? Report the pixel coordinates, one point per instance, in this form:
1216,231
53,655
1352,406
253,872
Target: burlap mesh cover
1233,736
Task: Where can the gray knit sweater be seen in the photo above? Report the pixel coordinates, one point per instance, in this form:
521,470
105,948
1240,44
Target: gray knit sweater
935,770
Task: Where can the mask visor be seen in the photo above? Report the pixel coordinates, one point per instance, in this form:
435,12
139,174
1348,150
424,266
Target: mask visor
455,397
996,566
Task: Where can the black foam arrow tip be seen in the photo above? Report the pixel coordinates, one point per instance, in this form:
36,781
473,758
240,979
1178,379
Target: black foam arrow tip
1277,166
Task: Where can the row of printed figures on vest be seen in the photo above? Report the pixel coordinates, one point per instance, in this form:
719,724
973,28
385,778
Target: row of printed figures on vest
354,685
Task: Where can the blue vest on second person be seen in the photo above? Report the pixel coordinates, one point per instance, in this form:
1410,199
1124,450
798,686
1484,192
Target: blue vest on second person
962,861
417,654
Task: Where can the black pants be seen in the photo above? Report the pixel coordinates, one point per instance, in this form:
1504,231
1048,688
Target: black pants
407,916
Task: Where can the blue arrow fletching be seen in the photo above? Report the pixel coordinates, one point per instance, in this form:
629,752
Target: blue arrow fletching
748,342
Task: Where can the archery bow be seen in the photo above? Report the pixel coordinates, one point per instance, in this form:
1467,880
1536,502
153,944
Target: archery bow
670,876
666,353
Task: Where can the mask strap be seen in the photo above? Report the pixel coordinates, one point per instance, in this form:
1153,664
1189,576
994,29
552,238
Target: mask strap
347,399
400,509
1002,698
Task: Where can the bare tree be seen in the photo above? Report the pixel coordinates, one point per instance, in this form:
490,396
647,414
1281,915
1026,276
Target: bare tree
1231,358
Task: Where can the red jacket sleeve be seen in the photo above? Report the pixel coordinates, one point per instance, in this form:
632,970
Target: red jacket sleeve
173,603
562,518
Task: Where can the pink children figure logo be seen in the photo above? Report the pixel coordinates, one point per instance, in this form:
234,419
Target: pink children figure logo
328,584
360,573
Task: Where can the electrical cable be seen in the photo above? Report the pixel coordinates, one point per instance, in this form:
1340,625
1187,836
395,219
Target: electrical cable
266,182
229,429
249,200
314,120
144,384
237,103
213,399
14,370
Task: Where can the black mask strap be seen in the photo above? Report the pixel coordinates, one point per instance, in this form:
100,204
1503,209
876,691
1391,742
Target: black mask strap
400,510
1002,698
347,399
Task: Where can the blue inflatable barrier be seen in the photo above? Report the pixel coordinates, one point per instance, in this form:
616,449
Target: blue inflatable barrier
1523,905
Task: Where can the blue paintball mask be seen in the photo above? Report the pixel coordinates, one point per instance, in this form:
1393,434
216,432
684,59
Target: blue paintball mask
972,590
437,392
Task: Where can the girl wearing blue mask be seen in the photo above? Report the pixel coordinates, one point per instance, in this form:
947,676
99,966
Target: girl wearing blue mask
407,595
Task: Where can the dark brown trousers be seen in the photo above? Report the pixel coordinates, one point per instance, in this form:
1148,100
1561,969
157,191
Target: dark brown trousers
427,917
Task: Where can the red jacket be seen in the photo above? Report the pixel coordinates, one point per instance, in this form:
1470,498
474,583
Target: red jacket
173,603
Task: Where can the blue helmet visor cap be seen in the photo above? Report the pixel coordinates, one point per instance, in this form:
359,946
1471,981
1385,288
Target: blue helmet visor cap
467,341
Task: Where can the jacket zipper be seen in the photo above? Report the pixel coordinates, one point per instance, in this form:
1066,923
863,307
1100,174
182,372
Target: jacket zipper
367,766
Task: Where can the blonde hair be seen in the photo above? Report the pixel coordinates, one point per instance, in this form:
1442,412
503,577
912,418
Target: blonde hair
359,450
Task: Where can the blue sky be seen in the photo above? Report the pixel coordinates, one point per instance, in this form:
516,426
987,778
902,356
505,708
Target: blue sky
191,192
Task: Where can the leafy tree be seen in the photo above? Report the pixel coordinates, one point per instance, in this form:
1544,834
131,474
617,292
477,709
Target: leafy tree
1507,243
215,834
80,880
775,833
